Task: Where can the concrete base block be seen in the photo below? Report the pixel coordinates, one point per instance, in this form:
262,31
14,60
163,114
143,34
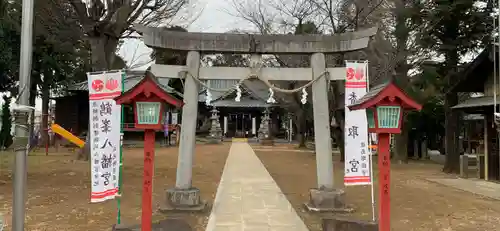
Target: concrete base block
343,224
213,140
2,222
267,142
183,200
164,225
327,200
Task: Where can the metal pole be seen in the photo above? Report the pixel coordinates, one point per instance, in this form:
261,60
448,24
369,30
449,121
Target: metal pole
21,116
495,40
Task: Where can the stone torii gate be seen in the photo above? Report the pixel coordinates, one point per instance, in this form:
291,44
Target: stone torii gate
186,197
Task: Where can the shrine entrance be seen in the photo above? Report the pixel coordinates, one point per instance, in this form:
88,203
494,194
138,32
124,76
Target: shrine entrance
316,79
239,125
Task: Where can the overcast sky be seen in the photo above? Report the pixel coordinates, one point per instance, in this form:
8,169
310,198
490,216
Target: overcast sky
214,17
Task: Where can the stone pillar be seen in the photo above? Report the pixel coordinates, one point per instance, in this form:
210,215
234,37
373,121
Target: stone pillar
324,197
215,134
416,144
184,196
225,125
464,166
254,126
425,152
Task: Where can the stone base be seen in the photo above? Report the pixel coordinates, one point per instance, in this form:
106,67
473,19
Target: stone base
2,222
213,140
183,200
267,142
343,224
327,200
164,225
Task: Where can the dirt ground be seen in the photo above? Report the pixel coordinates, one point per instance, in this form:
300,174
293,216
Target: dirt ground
59,189
417,204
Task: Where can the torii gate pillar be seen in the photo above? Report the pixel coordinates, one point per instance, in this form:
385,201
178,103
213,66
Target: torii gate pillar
184,196
323,143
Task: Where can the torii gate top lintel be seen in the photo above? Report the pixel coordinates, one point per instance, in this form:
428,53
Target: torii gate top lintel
253,43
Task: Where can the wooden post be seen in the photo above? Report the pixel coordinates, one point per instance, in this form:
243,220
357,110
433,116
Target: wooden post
147,190
384,179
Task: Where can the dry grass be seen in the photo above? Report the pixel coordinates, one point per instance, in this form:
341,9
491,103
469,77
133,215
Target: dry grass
59,194
417,204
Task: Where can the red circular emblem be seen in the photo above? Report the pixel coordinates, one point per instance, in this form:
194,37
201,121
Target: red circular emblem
97,85
350,73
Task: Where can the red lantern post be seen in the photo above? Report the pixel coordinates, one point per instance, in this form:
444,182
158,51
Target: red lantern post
148,100
384,106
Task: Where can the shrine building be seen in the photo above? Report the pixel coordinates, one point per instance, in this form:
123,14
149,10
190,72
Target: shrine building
237,119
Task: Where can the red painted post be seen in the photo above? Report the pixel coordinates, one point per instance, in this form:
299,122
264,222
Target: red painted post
147,190
384,179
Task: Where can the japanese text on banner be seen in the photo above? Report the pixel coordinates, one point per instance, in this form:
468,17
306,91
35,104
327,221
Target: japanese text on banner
357,162
105,118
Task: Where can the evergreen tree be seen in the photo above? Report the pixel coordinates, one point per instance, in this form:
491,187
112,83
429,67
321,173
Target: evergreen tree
5,136
454,28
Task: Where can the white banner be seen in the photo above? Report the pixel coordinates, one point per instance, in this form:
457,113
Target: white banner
175,116
105,118
357,163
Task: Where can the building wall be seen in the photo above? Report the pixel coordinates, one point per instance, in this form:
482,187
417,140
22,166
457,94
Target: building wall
489,88
72,112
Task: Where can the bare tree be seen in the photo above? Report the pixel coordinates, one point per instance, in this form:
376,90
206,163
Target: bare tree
105,22
279,16
391,53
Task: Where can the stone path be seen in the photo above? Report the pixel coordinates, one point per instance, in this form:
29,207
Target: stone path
476,186
248,199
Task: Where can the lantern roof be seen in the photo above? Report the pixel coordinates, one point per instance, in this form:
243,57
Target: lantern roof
148,87
384,93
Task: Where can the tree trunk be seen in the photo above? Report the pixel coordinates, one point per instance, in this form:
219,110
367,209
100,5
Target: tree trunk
401,144
452,60
452,161
32,101
103,50
339,134
47,79
300,121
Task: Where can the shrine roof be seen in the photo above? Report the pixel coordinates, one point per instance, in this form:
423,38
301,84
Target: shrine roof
372,93
255,88
473,76
379,92
148,88
244,102
476,102
132,79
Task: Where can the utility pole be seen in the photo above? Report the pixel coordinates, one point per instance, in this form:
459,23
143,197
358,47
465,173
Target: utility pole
21,116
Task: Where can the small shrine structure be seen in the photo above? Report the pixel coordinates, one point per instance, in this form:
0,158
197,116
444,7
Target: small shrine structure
149,102
384,106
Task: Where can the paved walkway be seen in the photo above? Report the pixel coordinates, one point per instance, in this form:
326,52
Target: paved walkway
476,186
248,199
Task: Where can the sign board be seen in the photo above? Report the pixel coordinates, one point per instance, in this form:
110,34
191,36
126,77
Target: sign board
105,134
357,159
